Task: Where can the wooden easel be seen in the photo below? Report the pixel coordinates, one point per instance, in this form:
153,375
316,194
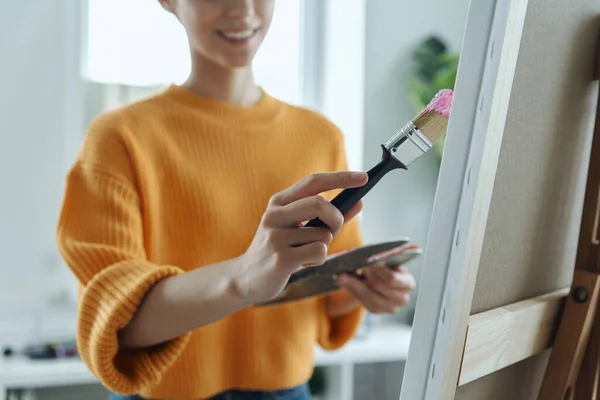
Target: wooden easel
573,371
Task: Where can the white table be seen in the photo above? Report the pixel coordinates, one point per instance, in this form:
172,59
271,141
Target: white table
384,344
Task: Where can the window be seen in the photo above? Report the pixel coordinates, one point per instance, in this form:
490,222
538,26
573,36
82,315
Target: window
137,43
278,64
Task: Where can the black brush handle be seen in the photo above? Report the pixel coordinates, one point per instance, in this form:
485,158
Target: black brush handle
349,197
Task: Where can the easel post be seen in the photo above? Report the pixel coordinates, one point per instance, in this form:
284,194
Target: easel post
574,368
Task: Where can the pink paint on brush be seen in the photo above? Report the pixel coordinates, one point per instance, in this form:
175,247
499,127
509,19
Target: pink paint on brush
441,103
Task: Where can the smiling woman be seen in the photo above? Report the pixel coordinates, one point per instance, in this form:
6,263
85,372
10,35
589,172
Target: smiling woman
168,275
208,28
153,51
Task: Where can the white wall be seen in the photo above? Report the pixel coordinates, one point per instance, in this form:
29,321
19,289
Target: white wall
38,109
402,202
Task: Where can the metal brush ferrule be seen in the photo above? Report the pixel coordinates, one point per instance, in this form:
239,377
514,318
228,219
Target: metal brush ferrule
408,144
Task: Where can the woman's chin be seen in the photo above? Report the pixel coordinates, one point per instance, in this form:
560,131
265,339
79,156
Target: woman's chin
238,63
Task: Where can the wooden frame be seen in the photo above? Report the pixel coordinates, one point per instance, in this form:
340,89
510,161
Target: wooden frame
506,335
486,72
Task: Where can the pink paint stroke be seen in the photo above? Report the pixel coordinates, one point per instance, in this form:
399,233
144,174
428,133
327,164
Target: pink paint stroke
441,103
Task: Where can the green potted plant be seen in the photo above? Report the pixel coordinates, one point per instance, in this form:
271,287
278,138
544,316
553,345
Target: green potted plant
434,69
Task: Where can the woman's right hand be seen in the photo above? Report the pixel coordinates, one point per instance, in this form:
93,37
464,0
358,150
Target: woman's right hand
282,246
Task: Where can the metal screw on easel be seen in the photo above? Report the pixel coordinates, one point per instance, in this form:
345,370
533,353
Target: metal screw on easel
580,294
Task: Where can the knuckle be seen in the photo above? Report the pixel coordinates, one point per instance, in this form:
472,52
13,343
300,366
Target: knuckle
340,176
313,178
269,217
411,283
321,253
318,204
326,236
274,199
404,299
339,220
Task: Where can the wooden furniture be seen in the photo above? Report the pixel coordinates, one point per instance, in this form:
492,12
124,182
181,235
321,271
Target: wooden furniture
574,365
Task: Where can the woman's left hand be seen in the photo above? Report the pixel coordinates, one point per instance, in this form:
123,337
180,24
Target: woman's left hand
384,290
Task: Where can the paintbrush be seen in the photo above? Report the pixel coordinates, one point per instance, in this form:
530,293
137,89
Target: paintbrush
401,150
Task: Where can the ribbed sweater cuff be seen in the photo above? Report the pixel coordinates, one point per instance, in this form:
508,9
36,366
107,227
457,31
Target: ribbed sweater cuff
108,303
336,332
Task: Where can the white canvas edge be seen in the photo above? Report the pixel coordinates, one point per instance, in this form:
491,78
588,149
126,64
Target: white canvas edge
446,263
448,194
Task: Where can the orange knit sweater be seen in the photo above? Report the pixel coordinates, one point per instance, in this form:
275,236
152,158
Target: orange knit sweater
175,182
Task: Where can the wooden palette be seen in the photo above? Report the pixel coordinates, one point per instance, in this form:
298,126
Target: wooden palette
320,280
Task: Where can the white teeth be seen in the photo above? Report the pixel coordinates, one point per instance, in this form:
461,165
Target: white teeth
238,35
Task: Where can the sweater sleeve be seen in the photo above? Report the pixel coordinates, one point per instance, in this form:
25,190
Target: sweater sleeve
100,236
336,332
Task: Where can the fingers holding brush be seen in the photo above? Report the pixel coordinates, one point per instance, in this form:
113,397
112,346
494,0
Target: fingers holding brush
319,183
291,215
303,236
303,202
282,245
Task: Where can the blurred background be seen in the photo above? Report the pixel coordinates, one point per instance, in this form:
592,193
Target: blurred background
368,66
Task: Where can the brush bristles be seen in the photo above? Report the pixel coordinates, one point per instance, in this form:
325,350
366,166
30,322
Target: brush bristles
432,124
433,120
